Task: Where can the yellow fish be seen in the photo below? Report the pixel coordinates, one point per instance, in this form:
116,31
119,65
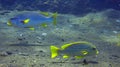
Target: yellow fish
76,49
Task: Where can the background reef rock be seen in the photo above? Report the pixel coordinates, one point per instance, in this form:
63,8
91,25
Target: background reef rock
77,7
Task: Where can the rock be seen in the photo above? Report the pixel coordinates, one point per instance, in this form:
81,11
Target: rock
42,65
24,54
3,65
9,53
44,34
5,53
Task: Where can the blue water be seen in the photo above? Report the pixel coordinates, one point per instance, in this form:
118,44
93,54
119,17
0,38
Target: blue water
61,6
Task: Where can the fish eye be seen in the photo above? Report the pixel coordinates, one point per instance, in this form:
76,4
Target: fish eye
93,48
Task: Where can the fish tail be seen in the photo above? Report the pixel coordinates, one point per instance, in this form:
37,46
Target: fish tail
55,18
9,23
54,51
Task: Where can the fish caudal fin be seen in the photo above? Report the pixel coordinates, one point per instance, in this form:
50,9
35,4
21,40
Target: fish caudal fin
54,51
55,18
9,23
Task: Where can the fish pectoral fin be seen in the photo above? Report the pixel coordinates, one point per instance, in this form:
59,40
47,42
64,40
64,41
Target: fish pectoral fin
65,46
44,25
84,52
65,56
26,21
78,57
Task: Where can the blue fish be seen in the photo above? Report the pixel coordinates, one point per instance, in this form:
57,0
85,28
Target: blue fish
32,19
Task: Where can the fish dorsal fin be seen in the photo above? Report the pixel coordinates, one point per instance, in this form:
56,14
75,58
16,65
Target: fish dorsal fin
65,46
76,43
26,21
45,13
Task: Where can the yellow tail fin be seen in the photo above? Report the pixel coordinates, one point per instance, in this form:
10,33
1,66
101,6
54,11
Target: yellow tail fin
9,23
55,18
54,51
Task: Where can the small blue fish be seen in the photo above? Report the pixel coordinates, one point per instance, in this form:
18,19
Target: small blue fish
76,49
32,19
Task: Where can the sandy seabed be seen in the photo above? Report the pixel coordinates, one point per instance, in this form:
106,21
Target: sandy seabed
21,47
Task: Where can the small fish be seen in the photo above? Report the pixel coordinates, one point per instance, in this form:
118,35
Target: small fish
32,19
76,49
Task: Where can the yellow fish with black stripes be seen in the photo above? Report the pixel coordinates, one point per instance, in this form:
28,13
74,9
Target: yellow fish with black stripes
76,49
